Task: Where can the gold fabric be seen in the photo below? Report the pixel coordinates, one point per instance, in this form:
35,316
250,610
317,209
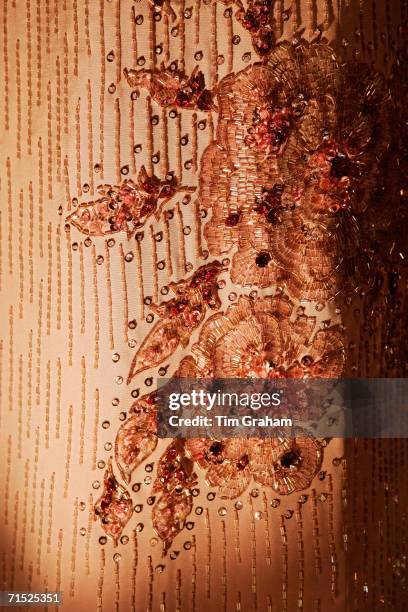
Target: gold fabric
69,124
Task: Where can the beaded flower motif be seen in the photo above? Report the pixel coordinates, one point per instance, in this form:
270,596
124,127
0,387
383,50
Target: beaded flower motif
288,181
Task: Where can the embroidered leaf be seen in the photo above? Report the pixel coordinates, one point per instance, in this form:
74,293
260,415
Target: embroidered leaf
134,443
114,507
125,207
179,317
175,469
158,346
174,480
172,87
169,515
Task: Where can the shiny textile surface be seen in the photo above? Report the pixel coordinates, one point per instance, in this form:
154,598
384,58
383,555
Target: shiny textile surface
203,213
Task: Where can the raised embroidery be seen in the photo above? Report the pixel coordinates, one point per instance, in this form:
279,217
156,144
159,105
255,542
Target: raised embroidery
114,507
178,317
281,464
288,181
125,207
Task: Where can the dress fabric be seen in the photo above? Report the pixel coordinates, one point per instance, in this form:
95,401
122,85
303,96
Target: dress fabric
204,189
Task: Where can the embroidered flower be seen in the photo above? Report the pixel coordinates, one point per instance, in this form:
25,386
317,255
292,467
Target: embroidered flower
258,338
285,465
295,159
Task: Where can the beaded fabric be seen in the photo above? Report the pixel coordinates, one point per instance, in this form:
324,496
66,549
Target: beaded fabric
213,189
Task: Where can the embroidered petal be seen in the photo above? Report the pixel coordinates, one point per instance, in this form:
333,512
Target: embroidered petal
205,451
264,455
230,481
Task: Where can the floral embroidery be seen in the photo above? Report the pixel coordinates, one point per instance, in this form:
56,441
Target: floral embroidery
179,317
174,481
288,181
257,18
313,129
114,507
284,465
256,338
125,207
307,156
171,87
